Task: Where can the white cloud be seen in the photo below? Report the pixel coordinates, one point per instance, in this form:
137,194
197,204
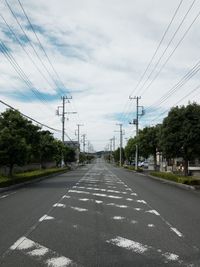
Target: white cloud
100,49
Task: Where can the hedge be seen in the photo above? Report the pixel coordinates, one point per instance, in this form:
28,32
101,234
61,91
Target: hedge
28,176
176,178
132,168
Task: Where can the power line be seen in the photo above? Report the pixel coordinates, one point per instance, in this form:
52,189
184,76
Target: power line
28,54
41,124
180,100
156,51
29,41
20,72
171,54
194,70
24,115
153,56
45,53
41,46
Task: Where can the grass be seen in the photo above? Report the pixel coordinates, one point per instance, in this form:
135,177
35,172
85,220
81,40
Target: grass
177,178
28,176
132,168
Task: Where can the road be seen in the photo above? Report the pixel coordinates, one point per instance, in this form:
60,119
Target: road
99,215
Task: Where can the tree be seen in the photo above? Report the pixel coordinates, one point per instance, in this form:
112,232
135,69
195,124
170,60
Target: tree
116,155
47,147
69,154
148,140
59,152
130,149
82,158
180,135
13,146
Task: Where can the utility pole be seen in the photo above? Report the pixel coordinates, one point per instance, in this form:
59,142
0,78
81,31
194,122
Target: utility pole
84,135
136,122
120,149
113,143
78,156
64,100
111,149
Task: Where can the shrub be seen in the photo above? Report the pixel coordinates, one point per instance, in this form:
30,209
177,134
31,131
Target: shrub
27,176
177,178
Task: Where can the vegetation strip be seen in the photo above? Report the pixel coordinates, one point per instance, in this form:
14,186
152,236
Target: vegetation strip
176,178
186,180
28,176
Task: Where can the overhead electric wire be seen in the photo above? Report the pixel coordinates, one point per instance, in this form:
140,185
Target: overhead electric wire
36,121
171,54
46,54
153,56
156,51
196,88
44,51
41,46
30,43
24,115
195,69
28,54
20,72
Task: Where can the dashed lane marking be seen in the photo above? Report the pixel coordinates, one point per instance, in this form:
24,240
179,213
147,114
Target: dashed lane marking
45,218
141,249
79,209
59,205
4,196
153,212
44,255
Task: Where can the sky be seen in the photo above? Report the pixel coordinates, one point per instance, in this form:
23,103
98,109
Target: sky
97,52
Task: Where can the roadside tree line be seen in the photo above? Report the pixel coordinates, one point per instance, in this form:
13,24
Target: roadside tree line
22,142
177,136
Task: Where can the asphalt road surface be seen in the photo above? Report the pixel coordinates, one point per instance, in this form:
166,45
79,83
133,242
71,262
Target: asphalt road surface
101,216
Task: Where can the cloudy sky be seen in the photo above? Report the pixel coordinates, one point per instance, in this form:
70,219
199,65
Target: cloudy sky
98,52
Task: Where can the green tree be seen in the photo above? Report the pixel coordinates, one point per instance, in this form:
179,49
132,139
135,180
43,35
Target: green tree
47,147
82,158
116,155
69,154
130,149
13,145
180,135
59,152
148,140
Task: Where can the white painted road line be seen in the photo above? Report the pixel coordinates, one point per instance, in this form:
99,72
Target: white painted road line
128,244
44,255
78,209
104,195
46,218
176,231
141,201
153,212
4,196
140,248
118,218
59,205
117,205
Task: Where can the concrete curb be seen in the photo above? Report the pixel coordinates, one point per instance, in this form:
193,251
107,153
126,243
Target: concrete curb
184,186
165,181
19,185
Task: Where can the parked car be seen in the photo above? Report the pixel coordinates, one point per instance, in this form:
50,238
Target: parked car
143,164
